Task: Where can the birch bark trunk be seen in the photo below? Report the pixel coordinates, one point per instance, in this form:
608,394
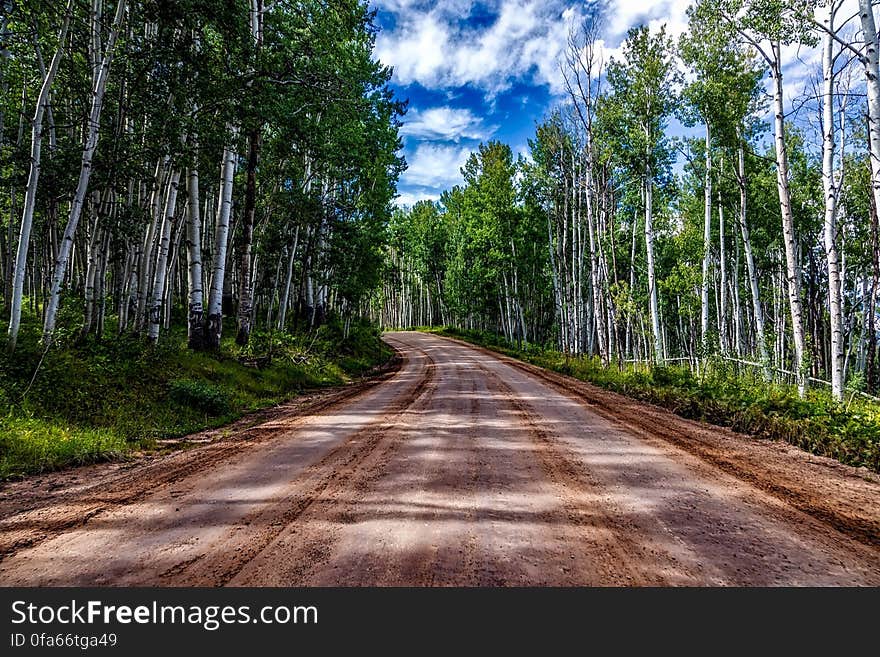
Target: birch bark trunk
27,218
872,75
652,279
285,297
158,295
554,275
830,188
145,257
707,244
245,290
95,242
195,284
594,263
214,329
722,268
85,173
761,337
792,268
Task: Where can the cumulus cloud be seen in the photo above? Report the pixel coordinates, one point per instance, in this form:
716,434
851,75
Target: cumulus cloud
653,13
435,166
417,49
409,198
451,43
446,124
439,48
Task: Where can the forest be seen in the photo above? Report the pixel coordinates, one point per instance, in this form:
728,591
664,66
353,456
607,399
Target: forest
199,217
189,175
752,244
203,154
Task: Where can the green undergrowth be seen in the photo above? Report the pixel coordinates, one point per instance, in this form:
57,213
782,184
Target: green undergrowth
848,431
97,400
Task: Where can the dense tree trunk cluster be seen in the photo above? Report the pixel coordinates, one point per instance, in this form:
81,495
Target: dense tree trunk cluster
194,160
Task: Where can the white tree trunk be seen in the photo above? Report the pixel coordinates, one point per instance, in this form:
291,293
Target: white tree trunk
722,268
578,328
158,296
93,258
523,333
288,281
757,309
85,173
554,275
221,239
30,196
652,280
195,284
830,188
146,257
707,244
604,351
792,268
872,74
173,278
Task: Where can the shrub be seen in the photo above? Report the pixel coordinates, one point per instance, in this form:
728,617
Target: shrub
201,395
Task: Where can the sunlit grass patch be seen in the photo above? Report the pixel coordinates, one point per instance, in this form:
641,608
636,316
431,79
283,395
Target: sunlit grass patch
31,445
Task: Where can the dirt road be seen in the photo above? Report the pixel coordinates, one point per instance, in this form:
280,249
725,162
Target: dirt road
461,468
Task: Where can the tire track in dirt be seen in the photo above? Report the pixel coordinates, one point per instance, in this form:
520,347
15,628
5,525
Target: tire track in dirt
423,566
774,468
436,564
463,470
452,507
607,543
683,521
477,475
319,492
29,518
498,509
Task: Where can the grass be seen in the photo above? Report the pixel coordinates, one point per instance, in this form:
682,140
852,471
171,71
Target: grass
95,400
34,445
848,432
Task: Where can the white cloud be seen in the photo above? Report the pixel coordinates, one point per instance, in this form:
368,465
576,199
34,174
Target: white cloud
654,14
435,166
410,198
462,7
435,45
625,15
439,49
447,124
416,50
394,5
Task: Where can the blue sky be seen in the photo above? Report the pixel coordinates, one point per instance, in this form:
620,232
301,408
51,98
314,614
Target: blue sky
479,70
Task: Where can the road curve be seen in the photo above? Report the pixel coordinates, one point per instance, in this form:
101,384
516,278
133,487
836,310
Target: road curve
460,469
